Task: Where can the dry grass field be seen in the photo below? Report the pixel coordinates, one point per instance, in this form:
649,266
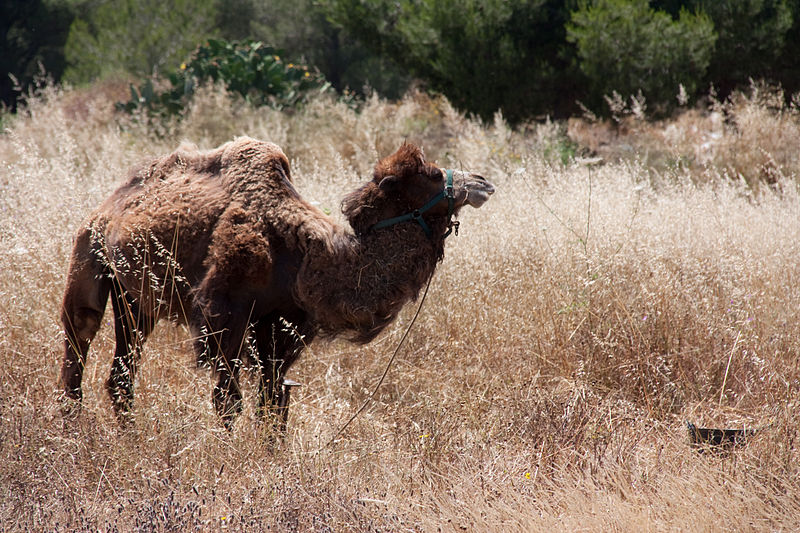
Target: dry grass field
581,316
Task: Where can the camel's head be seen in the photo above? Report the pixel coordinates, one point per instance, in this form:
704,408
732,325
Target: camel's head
409,178
404,184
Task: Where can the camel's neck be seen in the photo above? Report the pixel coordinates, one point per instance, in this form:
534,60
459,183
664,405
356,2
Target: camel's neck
359,284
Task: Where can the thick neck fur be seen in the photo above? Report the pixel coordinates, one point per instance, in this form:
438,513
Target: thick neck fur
357,284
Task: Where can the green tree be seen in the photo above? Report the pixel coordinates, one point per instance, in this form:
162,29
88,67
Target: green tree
139,37
32,33
301,28
751,37
787,65
625,46
484,55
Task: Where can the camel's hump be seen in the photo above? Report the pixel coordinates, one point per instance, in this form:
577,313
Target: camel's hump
249,152
246,159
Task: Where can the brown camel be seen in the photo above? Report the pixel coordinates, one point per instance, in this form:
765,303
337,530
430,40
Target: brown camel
222,242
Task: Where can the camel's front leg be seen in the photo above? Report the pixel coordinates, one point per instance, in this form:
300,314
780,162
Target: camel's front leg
220,340
227,394
279,342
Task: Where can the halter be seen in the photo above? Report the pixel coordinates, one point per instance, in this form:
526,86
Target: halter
416,215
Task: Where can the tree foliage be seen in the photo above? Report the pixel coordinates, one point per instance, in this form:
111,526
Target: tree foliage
302,29
786,68
32,33
526,58
628,47
139,37
484,55
251,69
751,36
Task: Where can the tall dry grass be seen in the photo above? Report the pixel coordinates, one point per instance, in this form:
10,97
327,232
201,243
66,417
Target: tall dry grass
578,319
750,137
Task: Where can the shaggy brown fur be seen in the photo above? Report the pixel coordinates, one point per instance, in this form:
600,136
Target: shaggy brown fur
223,242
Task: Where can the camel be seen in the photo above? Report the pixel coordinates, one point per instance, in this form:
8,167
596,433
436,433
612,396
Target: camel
222,242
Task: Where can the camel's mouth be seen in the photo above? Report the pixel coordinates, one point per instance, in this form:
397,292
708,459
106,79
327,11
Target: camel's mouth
477,190
478,198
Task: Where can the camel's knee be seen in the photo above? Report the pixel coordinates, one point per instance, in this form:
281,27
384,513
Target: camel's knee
86,293
83,307
80,327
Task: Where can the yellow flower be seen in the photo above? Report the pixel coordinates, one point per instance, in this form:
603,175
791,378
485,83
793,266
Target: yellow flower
307,74
183,66
527,475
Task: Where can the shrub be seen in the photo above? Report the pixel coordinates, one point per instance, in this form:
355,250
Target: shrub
250,69
32,34
484,55
137,37
751,36
625,46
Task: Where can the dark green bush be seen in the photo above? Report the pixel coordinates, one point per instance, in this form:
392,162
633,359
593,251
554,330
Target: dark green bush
32,36
135,37
484,55
752,35
251,69
627,47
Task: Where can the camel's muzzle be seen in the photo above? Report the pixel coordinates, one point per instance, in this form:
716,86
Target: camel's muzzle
477,190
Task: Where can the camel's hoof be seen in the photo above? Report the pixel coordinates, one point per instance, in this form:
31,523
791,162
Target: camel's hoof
125,419
71,406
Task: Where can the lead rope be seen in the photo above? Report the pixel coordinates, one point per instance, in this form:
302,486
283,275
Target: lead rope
416,216
385,371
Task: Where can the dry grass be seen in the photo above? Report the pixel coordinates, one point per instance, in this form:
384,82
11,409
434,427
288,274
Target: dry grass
750,137
579,318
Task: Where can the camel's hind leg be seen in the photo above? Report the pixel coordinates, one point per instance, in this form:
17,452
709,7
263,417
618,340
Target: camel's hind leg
131,328
82,310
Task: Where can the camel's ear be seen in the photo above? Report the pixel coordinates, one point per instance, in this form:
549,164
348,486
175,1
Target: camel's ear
389,184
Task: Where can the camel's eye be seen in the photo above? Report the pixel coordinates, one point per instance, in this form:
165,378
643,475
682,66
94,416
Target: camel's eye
435,174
